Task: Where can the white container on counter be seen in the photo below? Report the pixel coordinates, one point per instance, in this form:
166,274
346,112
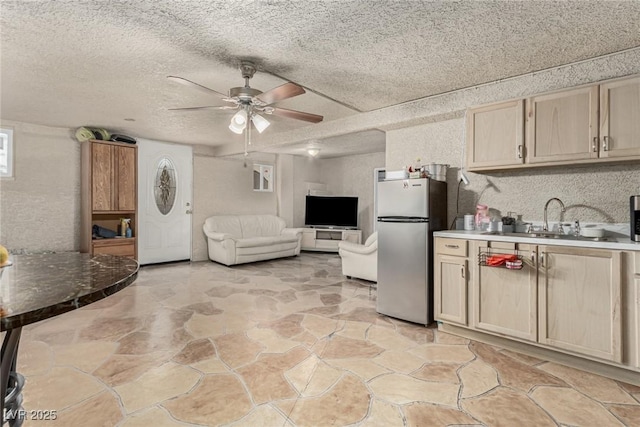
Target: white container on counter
469,221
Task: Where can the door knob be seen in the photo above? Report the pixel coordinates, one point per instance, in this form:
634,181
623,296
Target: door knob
189,211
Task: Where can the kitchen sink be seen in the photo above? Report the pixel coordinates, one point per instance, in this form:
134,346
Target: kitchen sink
548,235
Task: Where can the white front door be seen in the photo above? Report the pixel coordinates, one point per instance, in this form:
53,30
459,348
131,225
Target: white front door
164,201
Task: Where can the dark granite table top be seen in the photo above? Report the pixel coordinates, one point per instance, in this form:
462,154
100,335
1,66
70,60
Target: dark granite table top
37,287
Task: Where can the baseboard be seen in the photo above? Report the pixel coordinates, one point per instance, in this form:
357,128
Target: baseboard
621,374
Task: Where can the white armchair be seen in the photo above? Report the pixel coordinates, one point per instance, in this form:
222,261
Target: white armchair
360,260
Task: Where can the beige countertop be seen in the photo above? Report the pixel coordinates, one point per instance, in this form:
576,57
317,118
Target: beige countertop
613,241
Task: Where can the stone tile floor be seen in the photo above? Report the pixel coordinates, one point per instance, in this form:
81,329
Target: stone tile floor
289,342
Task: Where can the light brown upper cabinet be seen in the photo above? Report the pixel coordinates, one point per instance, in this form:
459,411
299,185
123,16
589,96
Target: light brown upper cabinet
588,124
562,126
495,135
125,158
113,177
620,118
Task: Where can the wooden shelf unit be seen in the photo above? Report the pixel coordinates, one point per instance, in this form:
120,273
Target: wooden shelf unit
109,192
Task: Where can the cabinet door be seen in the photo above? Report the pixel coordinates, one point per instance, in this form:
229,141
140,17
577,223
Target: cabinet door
125,173
636,316
102,183
450,290
505,301
619,123
579,301
308,239
563,126
495,135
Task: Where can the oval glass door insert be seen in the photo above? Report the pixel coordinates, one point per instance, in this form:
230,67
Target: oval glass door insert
165,186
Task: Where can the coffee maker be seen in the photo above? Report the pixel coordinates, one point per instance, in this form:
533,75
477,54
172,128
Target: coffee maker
634,215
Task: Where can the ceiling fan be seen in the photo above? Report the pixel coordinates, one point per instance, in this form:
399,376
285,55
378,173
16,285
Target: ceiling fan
249,101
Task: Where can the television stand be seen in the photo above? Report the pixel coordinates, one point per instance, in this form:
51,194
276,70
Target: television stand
327,239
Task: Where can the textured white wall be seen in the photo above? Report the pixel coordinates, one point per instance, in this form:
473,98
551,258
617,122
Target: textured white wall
285,187
224,186
40,206
47,182
353,176
439,142
593,193
305,169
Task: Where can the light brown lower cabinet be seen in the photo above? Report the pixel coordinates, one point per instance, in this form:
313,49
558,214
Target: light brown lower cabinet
636,317
579,301
564,298
506,300
450,296
451,276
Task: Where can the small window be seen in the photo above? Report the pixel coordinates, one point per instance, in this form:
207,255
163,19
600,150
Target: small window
263,177
6,153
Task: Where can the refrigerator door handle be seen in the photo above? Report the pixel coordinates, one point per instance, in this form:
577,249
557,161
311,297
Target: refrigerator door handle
402,219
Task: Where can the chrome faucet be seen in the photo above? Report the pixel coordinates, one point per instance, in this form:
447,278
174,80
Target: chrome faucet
545,224
576,228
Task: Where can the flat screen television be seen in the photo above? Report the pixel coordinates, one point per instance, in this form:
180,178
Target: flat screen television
331,211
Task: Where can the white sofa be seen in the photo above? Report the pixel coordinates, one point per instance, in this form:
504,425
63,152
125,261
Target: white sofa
237,239
360,260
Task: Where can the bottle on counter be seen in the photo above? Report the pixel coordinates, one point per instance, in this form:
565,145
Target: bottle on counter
125,231
482,217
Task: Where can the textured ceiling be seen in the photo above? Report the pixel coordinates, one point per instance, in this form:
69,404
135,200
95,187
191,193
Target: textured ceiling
74,63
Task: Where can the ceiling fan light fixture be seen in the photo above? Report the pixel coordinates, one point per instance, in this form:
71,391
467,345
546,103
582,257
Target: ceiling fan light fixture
239,118
238,122
233,127
313,151
248,101
260,122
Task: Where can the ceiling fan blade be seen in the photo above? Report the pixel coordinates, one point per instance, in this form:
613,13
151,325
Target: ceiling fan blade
206,107
285,91
298,115
187,82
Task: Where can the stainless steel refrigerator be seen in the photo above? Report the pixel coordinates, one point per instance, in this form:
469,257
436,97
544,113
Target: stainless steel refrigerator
409,211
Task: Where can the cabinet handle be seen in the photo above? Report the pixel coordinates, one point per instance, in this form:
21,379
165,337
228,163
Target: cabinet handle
452,246
542,259
595,144
519,151
462,271
605,143
533,258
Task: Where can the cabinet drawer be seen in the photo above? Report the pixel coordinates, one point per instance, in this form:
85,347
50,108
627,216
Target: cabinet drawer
455,247
511,246
327,244
121,249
